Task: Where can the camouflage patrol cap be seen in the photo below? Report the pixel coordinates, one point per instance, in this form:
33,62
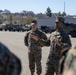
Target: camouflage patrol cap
60,19
34,21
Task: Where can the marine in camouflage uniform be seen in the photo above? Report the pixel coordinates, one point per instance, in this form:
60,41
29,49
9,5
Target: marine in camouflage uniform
35,51
9,63
59,42
70,62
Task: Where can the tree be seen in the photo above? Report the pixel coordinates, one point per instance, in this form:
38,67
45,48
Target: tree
7,12
28,20
27,13
48,12
9,19
63,14
31,13
59,14
40,15
1,11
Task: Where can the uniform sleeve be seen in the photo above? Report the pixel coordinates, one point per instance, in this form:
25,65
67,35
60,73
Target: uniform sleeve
43,36
66,44
68,60
44,42
26,39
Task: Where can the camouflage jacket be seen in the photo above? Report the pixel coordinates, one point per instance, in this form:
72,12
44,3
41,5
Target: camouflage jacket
62,37
9,63
31,42
70,61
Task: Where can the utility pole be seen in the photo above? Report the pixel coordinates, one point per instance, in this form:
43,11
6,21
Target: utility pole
64,7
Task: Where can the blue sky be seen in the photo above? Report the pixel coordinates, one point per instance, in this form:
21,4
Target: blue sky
39,6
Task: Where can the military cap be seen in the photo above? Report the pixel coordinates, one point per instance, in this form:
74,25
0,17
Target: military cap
60,19
34,21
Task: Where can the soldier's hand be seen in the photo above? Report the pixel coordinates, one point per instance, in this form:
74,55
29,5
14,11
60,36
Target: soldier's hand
35,37
50,39
57,42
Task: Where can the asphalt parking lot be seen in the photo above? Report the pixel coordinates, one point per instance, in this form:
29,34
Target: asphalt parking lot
15,42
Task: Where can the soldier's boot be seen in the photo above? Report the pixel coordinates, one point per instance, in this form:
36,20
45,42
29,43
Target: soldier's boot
32,73
38,74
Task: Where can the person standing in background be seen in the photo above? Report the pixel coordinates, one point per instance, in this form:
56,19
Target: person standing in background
34,49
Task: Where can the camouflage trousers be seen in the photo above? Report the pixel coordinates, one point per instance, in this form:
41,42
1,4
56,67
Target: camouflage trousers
34,56
52,65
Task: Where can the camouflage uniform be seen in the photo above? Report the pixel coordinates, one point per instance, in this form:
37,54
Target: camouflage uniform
55,50
9,63
35,52
70,62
